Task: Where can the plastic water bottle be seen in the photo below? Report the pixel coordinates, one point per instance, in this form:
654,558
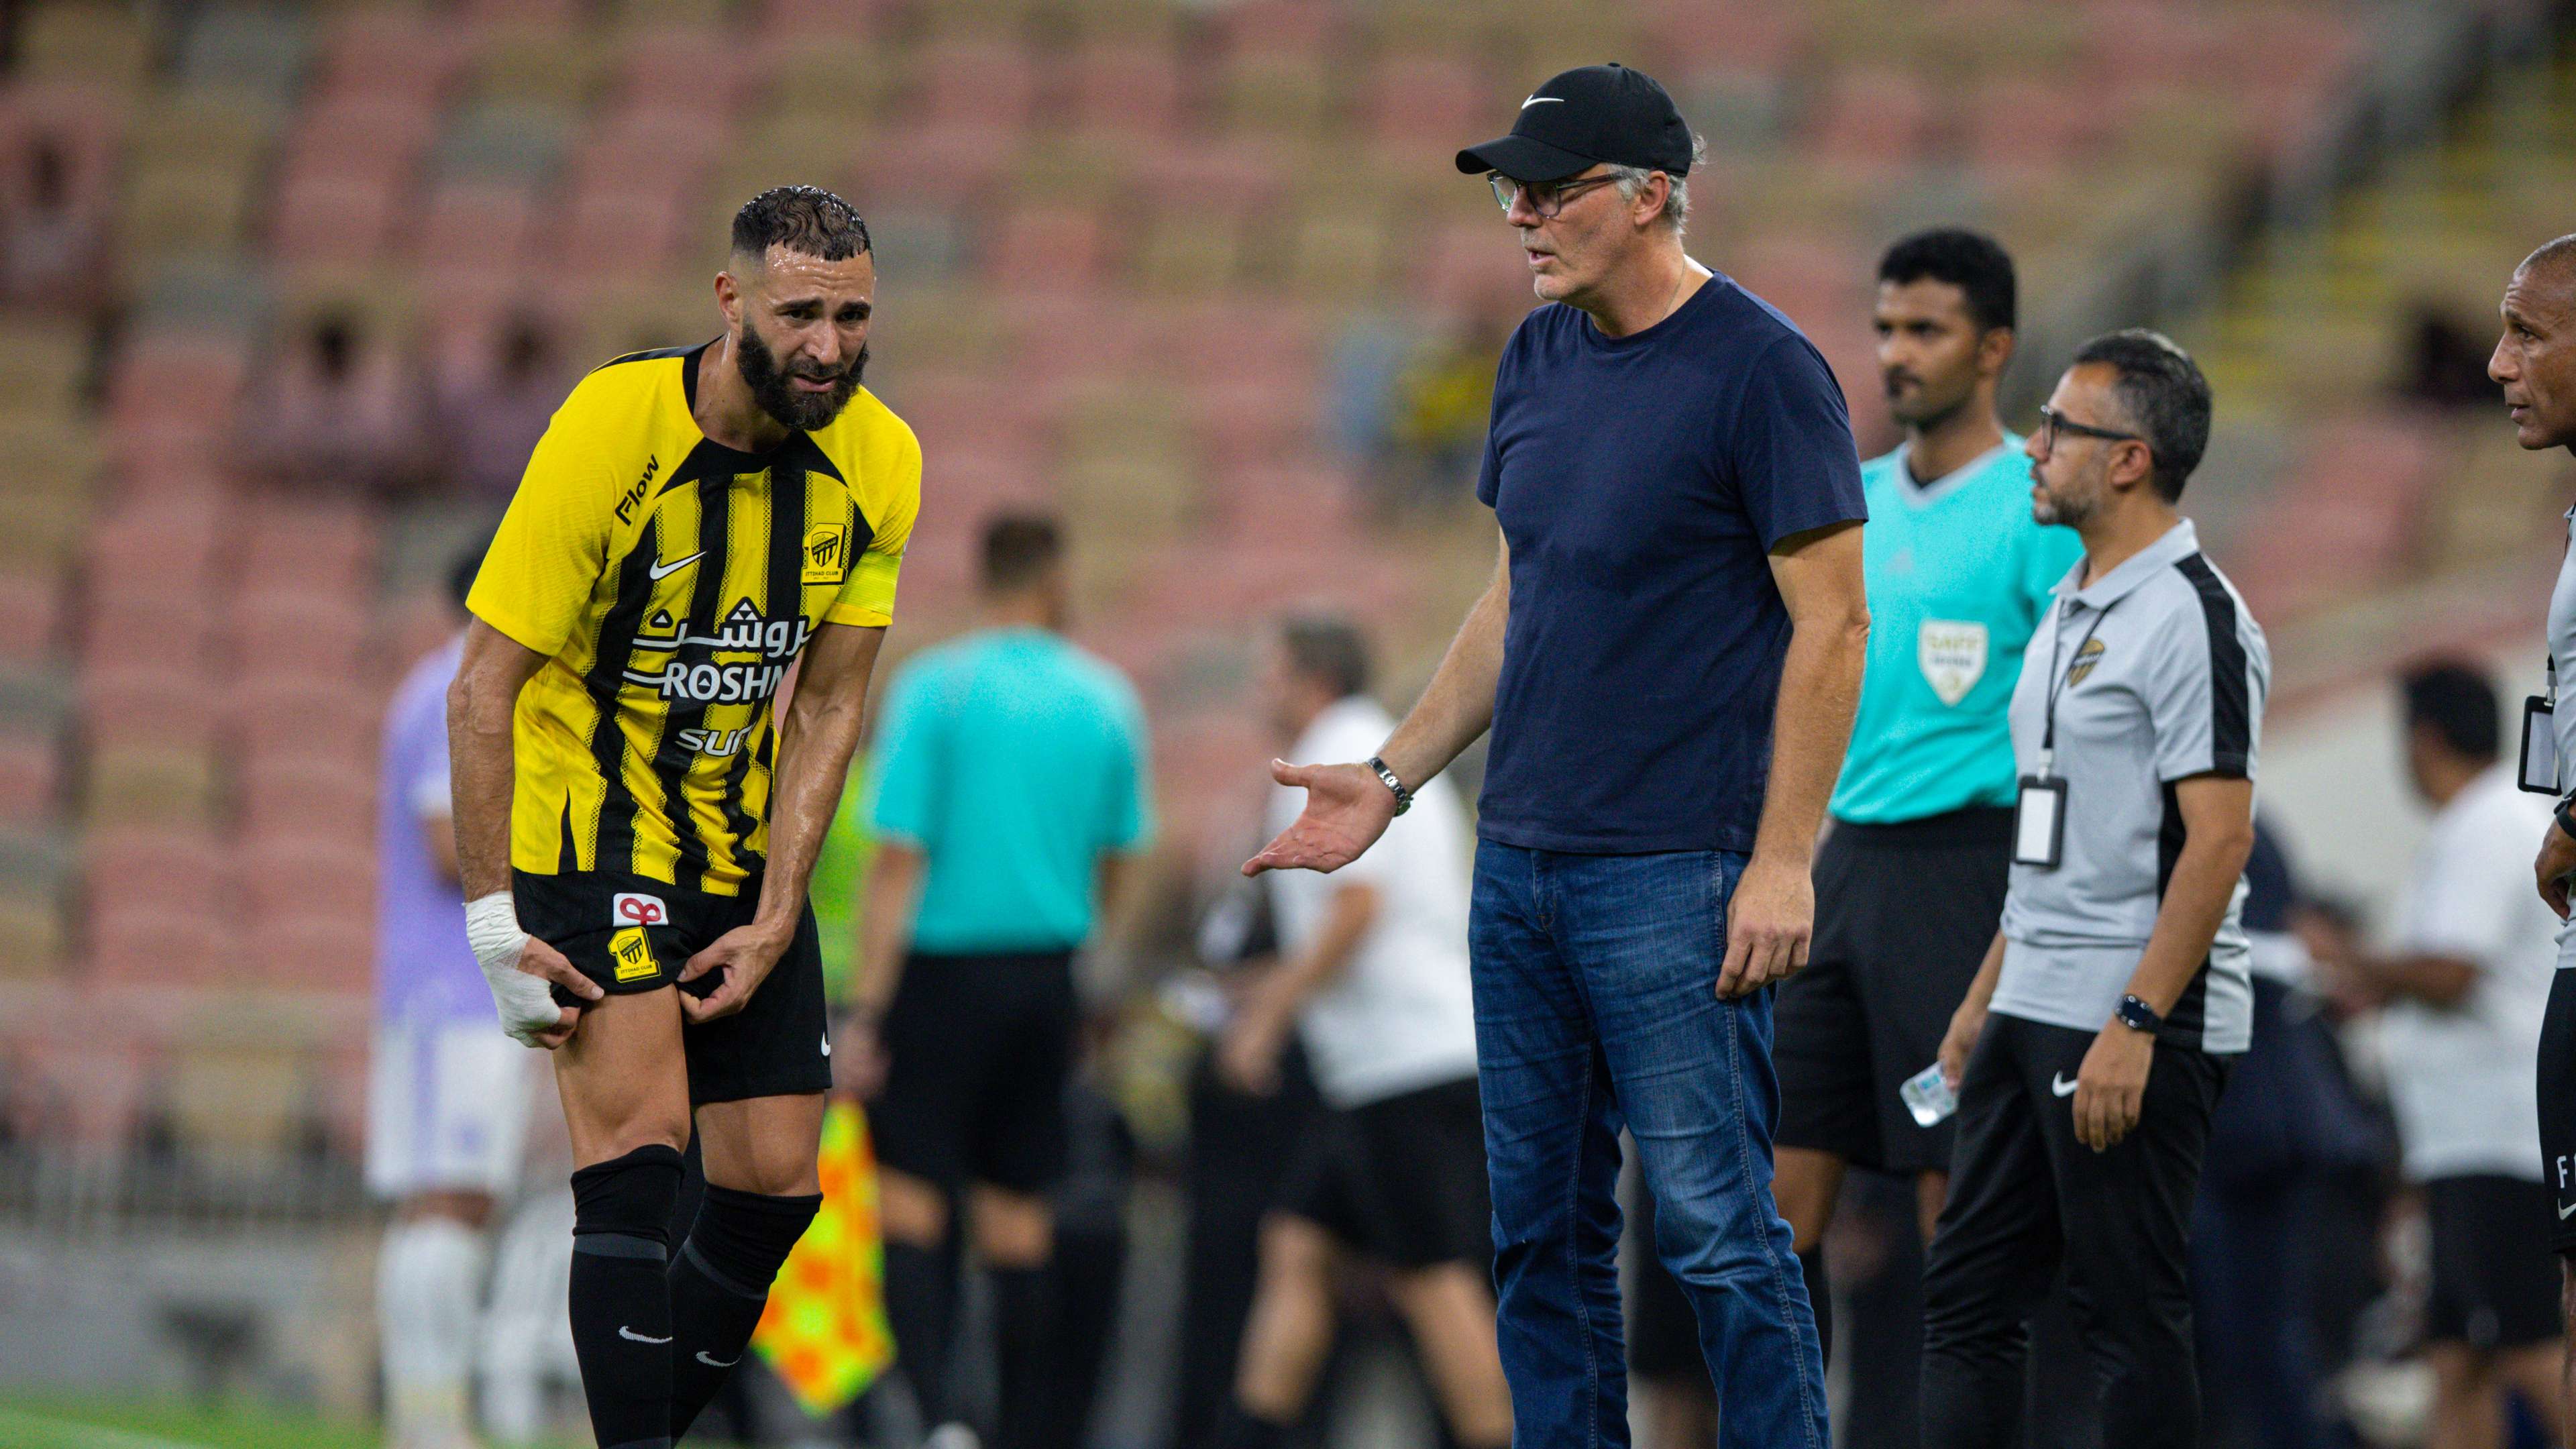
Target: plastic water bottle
1928,1096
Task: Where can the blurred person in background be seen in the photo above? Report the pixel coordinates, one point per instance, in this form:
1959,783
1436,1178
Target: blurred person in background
2285,1228
340,411
2535,362
1372,975
53,243
637,821
1010,791
489,422
2461,994
1910,879
2090,1050
1668,658
447,1104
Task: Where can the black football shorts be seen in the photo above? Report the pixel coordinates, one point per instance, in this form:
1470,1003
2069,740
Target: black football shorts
632,934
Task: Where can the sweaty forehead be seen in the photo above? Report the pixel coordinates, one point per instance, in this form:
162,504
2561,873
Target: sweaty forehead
1924,298
785,273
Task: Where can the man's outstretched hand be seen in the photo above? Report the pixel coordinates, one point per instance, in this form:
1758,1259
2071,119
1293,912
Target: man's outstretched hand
1347,809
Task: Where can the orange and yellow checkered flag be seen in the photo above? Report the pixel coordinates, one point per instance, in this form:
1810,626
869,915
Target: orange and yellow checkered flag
825,1330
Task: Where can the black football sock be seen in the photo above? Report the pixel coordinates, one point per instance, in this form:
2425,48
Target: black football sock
1820,1295
1028,1355
921,1308
719,1282
621,1311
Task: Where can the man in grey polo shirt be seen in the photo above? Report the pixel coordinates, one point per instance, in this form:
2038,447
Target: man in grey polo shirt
2092,1046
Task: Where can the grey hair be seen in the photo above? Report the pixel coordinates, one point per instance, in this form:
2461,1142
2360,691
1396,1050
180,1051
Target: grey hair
1676,213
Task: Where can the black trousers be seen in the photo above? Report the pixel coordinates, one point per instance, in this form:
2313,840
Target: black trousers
2025,1196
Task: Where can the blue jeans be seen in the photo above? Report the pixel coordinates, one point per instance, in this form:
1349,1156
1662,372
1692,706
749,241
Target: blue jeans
1595,981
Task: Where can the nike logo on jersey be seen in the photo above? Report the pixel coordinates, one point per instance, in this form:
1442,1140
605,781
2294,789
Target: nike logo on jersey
827,1043
1540,101
2061,1086
660,570
631,1336
718,1362
2565,1212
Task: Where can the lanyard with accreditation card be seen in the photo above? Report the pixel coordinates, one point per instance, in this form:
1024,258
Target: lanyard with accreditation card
2039,812
2539,769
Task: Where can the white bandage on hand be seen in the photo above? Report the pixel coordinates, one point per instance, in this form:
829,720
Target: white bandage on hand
526,1002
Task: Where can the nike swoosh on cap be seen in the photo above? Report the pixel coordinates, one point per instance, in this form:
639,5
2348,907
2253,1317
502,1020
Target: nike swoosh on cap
2061,1086
661,570
631,1336
1541,100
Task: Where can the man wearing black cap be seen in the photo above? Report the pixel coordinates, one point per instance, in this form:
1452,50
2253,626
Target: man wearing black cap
1668,658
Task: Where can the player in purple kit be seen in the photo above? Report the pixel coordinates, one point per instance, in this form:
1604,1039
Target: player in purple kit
448,1102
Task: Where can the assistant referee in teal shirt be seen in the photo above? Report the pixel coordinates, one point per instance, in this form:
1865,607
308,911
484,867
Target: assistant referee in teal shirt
1009,786
1910,882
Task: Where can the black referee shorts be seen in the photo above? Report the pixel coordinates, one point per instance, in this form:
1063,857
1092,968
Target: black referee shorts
1904,914
2558,1109
631,933
2493,1282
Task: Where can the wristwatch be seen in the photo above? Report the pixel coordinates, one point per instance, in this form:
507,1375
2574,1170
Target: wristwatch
1403,796
2567,815
2136,1015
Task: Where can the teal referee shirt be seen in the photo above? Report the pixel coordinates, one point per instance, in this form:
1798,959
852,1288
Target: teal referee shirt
1959,578
1013,759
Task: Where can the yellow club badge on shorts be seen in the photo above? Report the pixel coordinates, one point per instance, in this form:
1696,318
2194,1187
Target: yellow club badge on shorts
825,558
633,955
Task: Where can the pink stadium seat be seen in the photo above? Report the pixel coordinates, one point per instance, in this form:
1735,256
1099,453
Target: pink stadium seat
161,946
944,165
477,226
1763,37
2035,123
31,777
624,232
1872,117
143,868
277,878
281,630
1223,176
1125,90
1283,27
682,68
299,715
140,632
334,218
362,135
326,546
311,952
149,705
1043,248
825,19
91,1090
389,51
1432,104
173,378
285,794
31,615
974,82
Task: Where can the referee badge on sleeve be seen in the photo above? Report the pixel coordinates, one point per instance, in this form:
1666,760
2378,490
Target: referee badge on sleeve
1952,654
826,553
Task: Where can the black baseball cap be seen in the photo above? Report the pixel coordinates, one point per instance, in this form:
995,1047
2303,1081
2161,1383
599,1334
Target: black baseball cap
1591,115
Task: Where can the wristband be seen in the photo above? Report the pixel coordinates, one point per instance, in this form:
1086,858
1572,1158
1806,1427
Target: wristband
1403,796
526,1003
2566,820
2136,1015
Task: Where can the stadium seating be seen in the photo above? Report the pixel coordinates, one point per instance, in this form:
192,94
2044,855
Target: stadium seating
1121,242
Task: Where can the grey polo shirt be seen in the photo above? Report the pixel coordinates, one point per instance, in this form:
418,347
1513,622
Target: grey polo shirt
2164,675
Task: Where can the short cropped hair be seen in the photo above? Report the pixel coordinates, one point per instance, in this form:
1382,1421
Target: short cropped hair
1328,649
807,220
2457,701
2166,397
1019,549
1971,261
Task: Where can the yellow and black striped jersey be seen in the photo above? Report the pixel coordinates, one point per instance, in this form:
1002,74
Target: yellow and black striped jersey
671,581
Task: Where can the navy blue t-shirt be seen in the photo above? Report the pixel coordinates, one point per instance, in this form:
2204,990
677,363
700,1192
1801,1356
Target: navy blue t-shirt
1641,483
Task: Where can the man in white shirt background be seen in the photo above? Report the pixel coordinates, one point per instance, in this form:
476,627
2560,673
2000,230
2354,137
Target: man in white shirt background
1372,976
2462,990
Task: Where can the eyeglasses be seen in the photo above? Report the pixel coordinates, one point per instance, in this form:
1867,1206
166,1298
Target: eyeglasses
2052,423
1547,198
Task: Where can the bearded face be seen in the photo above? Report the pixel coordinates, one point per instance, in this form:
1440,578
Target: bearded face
802,395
